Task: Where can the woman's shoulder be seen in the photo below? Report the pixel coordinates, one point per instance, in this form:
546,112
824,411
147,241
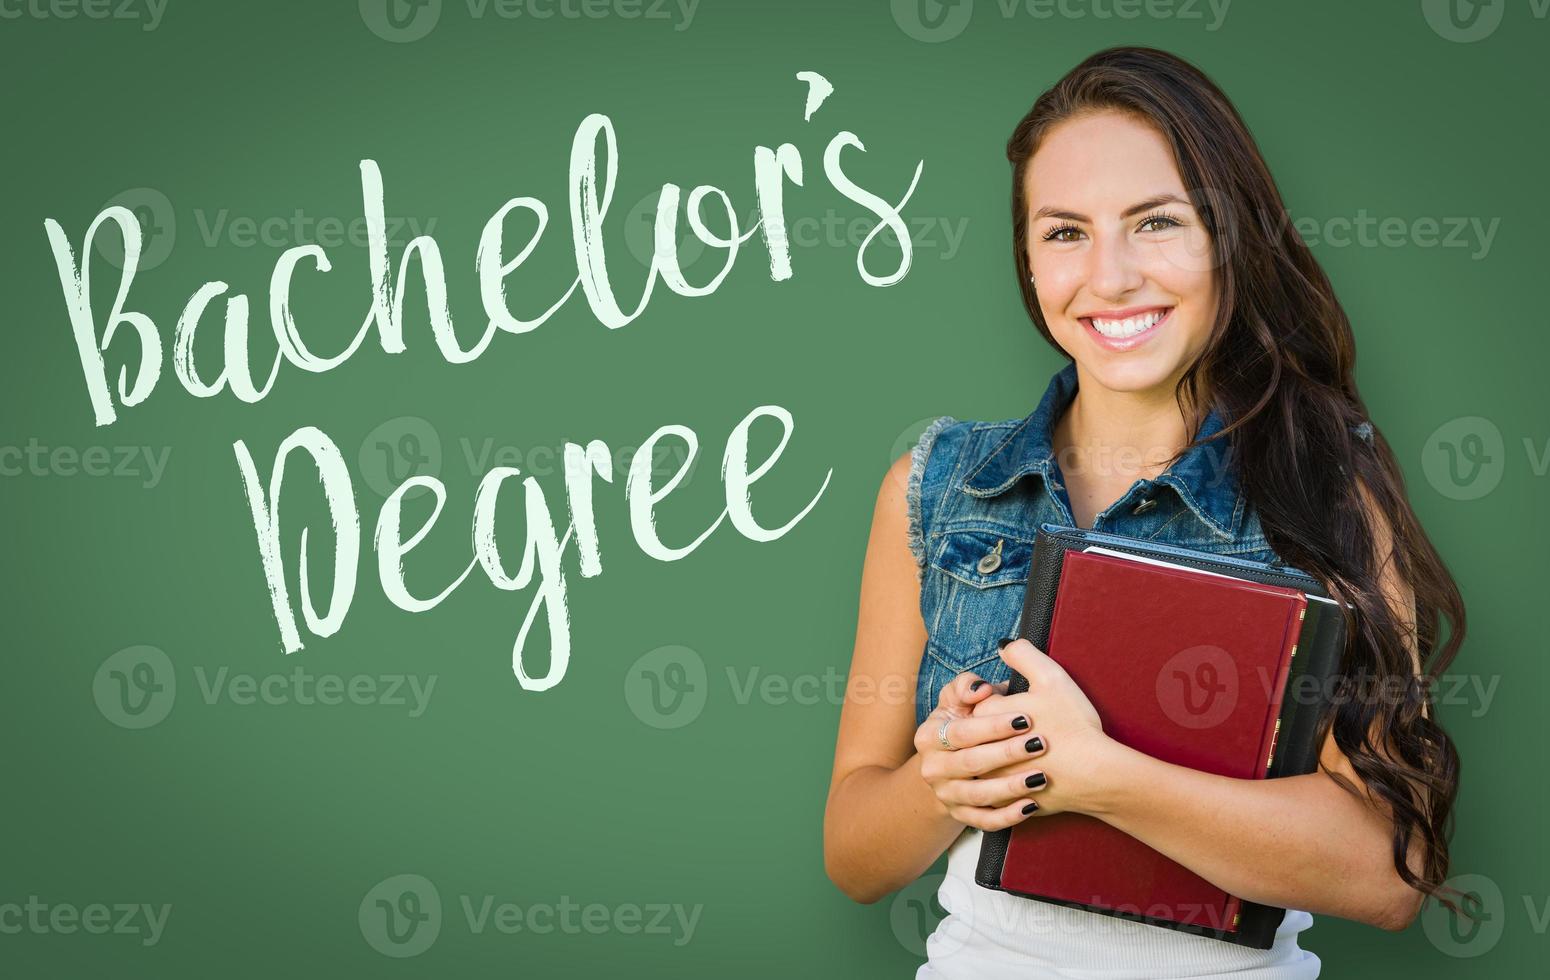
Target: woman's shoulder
946,440
955,434
946,445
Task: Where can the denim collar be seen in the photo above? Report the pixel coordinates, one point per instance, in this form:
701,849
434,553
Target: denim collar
1203,477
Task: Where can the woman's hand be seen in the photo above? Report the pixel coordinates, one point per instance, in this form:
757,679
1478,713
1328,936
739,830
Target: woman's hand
982,743
1063,717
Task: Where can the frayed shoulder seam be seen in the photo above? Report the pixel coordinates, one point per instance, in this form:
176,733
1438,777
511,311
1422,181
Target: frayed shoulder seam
918,456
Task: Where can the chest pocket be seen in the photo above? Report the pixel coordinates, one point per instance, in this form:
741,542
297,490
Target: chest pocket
979,578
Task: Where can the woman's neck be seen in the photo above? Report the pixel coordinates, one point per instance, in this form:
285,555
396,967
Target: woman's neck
1121,436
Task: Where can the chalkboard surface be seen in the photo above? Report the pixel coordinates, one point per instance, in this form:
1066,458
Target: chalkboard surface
615,762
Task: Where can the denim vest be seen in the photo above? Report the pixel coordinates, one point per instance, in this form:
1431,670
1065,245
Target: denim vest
977,493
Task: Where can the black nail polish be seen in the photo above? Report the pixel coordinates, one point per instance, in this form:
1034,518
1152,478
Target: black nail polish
1001,644
1035,744
1020,723
1035,780
1030,808
976,685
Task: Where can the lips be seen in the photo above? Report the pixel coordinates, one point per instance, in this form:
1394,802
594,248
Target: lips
1127,329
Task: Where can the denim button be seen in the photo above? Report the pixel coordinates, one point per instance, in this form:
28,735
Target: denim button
992,559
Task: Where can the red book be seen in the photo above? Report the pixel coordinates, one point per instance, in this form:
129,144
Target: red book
1186,666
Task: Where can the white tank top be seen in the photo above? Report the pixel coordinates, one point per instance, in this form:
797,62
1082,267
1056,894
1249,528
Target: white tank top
990,935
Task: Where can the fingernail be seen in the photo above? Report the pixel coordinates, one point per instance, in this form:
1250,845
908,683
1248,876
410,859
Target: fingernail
1035,744
976,685
1030,808
1001,645
1020,723
1035,780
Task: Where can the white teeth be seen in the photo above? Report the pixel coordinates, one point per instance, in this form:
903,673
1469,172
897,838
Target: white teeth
1120,329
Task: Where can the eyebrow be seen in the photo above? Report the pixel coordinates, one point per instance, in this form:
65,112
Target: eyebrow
1134,209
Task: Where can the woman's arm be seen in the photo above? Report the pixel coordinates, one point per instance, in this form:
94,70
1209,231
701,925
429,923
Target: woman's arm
1299,842
876,782
885,822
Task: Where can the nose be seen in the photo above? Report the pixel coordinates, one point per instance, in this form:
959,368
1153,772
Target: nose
1113,272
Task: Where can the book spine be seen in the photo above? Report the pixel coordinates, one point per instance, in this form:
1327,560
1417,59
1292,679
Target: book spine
1278,688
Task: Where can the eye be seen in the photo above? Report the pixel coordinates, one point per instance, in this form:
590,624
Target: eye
1059,233
1159,221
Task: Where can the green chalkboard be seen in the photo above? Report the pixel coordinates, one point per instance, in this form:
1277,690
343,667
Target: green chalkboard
185,798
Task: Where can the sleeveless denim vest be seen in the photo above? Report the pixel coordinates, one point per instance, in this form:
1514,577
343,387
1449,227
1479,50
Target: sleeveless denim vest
977,493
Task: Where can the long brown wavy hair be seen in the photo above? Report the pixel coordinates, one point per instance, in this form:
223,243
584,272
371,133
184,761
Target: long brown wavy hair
1278,366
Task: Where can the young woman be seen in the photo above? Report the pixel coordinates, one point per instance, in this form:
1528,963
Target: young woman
1210,403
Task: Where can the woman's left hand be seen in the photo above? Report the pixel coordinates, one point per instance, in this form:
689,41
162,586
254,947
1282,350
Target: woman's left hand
1074,763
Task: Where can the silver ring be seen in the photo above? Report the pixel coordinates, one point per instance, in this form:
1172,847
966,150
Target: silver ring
941,735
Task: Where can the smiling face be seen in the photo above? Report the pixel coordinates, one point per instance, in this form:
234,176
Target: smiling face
1122,263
